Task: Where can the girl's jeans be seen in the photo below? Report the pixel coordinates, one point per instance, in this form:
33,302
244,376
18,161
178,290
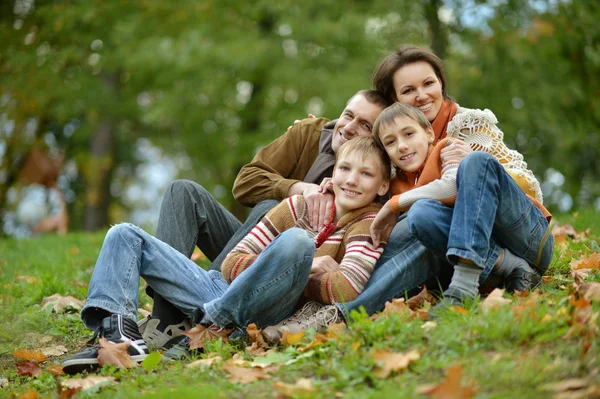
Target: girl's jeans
265,293
491,212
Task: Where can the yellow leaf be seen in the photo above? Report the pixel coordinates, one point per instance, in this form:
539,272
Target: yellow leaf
301,387
450,388
495,300
288,338
244,375
459,309
205,363
36,356
388,362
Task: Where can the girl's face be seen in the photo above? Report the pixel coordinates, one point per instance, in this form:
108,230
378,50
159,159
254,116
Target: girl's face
406,143
417,84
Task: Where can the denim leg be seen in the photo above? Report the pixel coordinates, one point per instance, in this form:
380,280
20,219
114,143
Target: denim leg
257,213
405,264
490,205
268,290
430,221
129,253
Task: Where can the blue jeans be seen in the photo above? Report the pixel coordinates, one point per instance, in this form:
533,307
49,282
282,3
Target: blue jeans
404,265
491,212
264,293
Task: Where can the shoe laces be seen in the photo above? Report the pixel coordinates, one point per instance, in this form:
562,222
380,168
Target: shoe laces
306,312
321,318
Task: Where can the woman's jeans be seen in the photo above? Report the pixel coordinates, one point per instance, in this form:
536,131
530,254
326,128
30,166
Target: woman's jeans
491,212
265,293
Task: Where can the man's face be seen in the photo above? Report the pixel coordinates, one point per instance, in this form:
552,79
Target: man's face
357,120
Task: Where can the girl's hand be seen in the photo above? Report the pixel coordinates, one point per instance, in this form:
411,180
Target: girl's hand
326,185
382,226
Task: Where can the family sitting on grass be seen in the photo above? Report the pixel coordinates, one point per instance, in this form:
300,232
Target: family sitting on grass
312,250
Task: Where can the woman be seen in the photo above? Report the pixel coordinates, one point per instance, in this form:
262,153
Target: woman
415,76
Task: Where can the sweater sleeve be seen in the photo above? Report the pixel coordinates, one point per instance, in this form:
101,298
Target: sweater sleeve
276,221
355,268
271,173
443,189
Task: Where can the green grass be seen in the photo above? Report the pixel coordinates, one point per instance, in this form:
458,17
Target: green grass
504,353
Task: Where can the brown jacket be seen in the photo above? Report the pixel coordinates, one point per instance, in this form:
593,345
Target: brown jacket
280,164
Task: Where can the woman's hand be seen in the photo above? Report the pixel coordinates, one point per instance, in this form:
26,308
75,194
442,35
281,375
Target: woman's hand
454,152
327,185
382,226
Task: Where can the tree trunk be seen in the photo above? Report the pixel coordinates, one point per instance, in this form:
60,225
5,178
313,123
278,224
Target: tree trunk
439,38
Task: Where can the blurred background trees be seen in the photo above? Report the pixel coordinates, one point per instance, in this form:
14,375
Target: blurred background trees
134,94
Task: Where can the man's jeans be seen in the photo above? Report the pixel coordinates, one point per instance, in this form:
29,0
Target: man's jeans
265,293
190,216
491,212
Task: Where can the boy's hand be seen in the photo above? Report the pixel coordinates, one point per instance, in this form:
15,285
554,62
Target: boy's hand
454,152
382,226
324,264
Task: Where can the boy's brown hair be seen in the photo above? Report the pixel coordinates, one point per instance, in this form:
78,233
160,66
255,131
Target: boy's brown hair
367,146
397,110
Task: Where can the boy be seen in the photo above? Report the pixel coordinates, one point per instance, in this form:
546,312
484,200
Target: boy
503,219
263,277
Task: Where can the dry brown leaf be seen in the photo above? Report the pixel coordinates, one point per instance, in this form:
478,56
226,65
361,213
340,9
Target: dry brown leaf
287,338
25,354
86,383
204,363
244,375
336,329
590,291
495,300
28,395
115,354
397,305
450,388
318,339
27,279
57,350
579,276
561,233
200,335
419,300
388,362
60,304
28,369
566,385
586,262
255,335
301,387
56,370
429,325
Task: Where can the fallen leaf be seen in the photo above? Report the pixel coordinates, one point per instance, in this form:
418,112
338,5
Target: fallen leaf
388,362
287,338
565,385
561,233
60,304
87,383
55,351
36,356
546,280
397,305
200,335
336,329
586,262
28,369
204,363
450,388
318,339
115,354
419,300
301,387
244,375
495,300
28,395
429,325
27,279
56,370
255,336
590,291
255,350
579,276
459,309
3,382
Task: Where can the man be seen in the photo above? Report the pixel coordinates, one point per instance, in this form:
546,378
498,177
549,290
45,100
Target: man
295,163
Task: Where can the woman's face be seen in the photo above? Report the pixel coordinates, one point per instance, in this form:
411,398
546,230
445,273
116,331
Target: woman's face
416,84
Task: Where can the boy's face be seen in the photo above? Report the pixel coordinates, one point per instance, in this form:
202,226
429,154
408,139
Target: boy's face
406,143
357,180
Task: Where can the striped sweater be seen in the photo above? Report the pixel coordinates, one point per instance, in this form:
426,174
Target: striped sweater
349,244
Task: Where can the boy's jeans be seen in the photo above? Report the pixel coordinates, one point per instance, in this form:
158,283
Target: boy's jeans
491,212
265,293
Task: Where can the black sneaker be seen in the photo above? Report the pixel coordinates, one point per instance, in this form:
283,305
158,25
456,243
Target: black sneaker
115,329
521,280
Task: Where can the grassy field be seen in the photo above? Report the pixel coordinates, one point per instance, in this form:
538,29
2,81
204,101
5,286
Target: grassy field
537,346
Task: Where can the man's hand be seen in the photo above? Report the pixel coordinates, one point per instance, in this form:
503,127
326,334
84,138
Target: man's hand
382,226
454,152
310,116
327,185
319,204
324,264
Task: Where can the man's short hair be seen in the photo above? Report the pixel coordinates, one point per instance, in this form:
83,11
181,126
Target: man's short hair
398,110
373,96
367,146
